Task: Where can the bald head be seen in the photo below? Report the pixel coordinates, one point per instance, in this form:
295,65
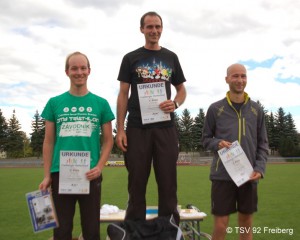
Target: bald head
236,67
237,80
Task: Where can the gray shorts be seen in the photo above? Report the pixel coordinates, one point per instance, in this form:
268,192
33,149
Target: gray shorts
227,198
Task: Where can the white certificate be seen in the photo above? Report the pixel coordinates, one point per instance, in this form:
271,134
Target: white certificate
236,163
150,96
73,167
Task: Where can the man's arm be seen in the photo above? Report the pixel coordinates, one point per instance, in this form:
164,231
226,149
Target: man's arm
170,105
48,147
122,102
209,140
180,94
262,149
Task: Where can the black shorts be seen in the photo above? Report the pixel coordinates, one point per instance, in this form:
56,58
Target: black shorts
227,198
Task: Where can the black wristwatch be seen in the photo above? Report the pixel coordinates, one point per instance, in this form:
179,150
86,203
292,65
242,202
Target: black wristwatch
176,104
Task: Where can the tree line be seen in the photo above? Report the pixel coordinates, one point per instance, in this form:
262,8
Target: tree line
281,129
282,134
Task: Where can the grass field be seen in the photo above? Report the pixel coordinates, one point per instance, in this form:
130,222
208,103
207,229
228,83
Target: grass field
279,199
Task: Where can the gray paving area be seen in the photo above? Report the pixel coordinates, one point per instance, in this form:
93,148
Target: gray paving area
21,162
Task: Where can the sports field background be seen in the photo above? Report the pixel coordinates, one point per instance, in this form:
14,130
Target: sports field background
277,218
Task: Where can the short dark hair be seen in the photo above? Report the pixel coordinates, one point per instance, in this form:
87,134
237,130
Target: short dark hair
73,54
142,22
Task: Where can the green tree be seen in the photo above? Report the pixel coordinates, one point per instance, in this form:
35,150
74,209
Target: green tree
287,147
271,130
284,138
291,130
38,134
15,138
3,132
185,125
197,129
176,121
280,126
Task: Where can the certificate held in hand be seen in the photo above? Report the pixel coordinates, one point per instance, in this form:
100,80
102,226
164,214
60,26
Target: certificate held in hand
150,96
236,163
73,167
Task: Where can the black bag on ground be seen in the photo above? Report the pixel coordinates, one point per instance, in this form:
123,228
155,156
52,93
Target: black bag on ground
160,228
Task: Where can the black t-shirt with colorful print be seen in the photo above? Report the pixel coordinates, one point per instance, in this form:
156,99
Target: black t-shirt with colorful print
149,66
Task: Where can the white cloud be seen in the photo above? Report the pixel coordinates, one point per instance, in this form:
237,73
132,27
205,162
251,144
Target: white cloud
207,36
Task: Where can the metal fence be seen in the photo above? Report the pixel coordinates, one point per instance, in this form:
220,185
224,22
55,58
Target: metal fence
183,159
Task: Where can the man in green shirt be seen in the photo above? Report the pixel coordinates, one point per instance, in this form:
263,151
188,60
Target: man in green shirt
75,120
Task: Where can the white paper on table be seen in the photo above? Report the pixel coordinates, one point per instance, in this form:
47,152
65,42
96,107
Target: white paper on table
73,167
236,163
150,96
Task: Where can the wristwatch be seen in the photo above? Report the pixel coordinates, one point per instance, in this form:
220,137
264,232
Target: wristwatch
176,104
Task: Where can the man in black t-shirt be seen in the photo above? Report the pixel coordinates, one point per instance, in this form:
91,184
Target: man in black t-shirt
150,140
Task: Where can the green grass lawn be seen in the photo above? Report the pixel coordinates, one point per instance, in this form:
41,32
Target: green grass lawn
278,200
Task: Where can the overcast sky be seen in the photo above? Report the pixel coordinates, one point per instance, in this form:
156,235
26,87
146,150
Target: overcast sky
207,36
